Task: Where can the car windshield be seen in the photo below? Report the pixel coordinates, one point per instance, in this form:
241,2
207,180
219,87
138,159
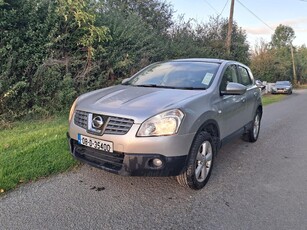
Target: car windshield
282,83
179,75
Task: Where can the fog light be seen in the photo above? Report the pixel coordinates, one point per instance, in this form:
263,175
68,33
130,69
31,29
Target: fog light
157,162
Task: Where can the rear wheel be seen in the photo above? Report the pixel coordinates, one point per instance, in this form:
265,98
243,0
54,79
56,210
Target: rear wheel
200,162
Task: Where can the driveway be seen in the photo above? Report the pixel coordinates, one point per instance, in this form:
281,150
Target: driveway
253,186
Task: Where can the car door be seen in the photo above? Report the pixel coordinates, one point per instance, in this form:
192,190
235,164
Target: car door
252,93
230,107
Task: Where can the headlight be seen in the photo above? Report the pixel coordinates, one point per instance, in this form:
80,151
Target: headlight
166,123
72,110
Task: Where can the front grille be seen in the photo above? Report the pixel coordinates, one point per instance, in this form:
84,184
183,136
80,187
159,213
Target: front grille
115,125
118,125
112,161
80,119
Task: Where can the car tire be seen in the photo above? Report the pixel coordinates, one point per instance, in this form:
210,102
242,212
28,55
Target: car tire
200,162
253,133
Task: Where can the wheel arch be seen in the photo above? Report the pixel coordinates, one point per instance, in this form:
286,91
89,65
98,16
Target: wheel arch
211,126
260,109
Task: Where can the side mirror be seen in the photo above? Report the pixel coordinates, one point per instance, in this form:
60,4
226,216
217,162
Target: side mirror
260,84
233,88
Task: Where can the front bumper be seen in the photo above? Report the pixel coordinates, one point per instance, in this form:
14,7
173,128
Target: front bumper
128,164
281,91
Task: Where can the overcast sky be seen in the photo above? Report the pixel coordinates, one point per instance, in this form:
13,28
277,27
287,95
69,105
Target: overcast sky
258,18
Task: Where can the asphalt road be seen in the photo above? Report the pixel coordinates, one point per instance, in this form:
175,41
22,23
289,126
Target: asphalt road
253,186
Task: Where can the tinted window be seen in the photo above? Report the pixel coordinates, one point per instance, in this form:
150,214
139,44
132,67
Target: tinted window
245,78
177,74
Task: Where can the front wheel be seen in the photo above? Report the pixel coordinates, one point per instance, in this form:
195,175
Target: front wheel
253,133
200,162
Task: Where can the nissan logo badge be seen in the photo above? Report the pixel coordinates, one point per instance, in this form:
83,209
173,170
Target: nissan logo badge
97,122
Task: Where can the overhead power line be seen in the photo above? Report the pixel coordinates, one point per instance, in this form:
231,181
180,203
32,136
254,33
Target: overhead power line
255,15
211,6
224,7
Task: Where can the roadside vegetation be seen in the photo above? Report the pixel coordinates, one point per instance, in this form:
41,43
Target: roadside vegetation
269,98
52,51
273,61
33,149
302,87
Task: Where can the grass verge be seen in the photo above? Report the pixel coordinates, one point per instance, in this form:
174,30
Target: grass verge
302,87
270,98
33,149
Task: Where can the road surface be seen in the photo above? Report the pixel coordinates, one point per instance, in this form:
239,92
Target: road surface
253,186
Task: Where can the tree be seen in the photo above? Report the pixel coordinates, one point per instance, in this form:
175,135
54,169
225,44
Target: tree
263,62
275,60
191,39
155,13
132,47
301,60
52,51
283,36
45,45
24,28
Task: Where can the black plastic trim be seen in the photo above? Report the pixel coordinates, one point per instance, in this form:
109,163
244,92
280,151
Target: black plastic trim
127,164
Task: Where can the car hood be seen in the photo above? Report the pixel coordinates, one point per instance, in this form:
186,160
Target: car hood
138,103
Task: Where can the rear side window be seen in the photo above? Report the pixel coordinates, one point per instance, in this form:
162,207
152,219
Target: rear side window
245,78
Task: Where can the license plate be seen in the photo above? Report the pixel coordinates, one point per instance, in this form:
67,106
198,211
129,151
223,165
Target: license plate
106,146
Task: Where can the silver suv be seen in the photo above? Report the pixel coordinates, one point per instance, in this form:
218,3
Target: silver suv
169,119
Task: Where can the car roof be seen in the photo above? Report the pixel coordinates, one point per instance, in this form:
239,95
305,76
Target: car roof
199,60
211,60
214,60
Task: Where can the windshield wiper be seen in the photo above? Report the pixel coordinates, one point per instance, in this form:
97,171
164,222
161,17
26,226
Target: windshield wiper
170,87
147,85
156,86
192,88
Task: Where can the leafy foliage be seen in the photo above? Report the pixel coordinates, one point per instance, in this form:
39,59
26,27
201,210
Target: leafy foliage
283,36
273,61
301,60
52,51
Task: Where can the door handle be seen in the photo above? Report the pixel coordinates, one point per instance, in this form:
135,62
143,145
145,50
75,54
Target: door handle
255,94
243,100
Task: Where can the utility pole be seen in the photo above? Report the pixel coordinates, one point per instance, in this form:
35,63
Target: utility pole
230,21
293,66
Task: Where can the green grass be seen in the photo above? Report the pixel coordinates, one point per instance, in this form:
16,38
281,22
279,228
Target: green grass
33,149
270,98
302,87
